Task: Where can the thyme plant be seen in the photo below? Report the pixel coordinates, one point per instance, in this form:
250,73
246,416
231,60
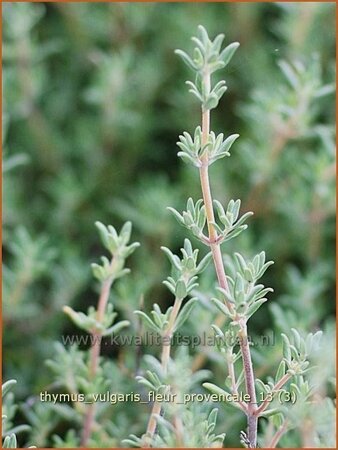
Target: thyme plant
99,322
9,432
287,179
240,294
181,283
213,224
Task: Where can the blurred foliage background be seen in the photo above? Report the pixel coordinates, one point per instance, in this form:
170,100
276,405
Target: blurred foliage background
93,102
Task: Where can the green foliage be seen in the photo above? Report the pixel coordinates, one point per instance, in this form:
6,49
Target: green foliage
242,297
32,259
93,104
297,351
244,294
208,57
185,271
89,322
9,432
117,246
216,148
199,430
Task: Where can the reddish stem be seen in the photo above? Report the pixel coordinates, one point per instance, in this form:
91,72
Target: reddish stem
94,358
279,433
285,378
221,276
156,410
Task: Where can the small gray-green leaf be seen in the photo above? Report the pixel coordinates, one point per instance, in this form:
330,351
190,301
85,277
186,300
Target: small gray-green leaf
186,59
116,328
148,321
228,52
253,308
6,387
180,289
221,306
215,390
185,313
280,371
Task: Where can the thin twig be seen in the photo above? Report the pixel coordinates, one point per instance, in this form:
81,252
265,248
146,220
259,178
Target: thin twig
234,387
156,409
200,358
221,276
94,358
285,378
279,433
249,385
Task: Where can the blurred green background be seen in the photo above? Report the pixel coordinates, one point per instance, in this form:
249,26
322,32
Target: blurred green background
93,102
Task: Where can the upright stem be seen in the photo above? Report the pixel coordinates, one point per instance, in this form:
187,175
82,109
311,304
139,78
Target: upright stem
221,276
279,433
262,407
94,359
207,197
234,387
214,246
200,358
249,385
166,347
169,333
